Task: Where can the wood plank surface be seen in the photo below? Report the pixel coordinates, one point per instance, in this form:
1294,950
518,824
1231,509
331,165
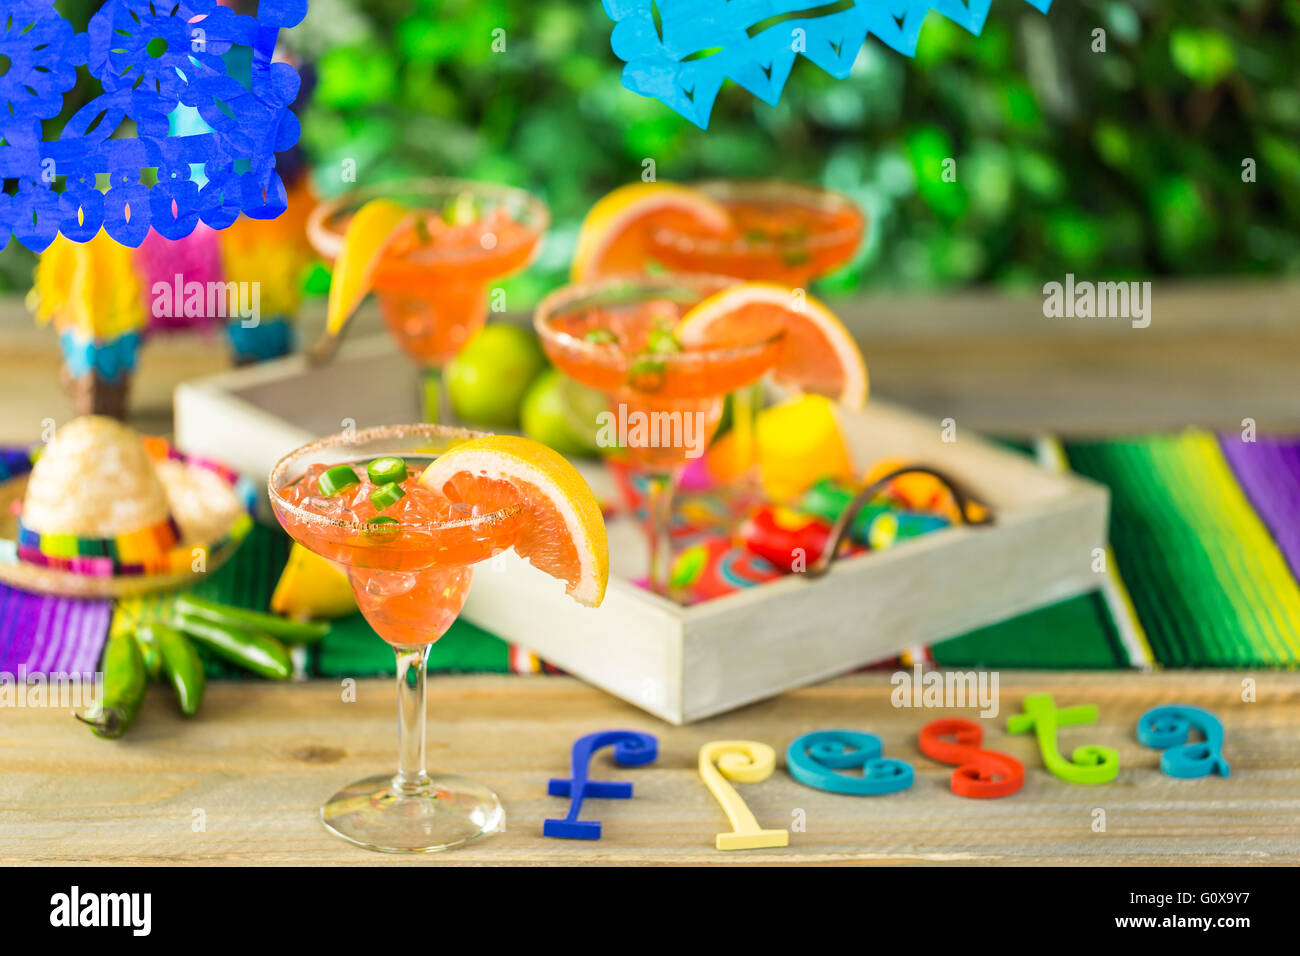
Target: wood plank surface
260,758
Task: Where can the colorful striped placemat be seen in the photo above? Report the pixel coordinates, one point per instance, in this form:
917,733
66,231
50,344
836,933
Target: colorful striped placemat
1208,582
1205,534
1269,472
40,634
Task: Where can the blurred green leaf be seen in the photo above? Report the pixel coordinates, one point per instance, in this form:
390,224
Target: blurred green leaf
1183,221
935,166
1127,162
1078,238
1205,55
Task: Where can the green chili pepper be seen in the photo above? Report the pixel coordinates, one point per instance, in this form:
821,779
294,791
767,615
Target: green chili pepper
381,471
385,496
291,632
663,342
257,652
182,665
647,374
124,683
149,651
382,528
336,479
461,211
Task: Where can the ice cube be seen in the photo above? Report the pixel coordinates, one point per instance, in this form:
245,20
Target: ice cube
330,507
384,584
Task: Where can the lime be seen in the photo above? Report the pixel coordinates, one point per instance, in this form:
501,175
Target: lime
562,414
583,408
488,379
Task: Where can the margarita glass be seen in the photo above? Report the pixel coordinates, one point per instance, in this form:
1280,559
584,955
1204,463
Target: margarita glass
433,277
410,570
616,335
780,232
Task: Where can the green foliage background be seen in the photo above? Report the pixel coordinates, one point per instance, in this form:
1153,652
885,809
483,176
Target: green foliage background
1127,162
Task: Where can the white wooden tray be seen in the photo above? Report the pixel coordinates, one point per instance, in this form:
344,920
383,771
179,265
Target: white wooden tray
684,664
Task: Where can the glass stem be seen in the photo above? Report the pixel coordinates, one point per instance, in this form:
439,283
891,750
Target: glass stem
746,402
411,664
437,397
660,486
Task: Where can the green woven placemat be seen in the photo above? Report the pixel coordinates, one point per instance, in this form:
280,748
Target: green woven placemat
352,649
1076,633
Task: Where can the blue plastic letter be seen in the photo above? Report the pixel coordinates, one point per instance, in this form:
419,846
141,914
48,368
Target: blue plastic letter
631,749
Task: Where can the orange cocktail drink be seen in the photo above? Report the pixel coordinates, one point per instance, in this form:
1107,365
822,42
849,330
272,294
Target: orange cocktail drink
434,275
410,569
408,510
665,397
756,230
778,231
410,572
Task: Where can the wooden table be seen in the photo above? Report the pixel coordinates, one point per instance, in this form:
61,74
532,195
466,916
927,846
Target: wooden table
260,758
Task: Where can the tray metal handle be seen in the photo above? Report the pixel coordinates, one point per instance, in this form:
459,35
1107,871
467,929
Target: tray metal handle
840,529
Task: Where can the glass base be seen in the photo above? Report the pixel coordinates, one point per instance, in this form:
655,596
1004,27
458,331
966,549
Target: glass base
452,810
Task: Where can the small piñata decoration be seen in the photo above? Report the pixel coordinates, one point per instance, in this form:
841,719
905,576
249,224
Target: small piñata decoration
148,58
90,293
680,51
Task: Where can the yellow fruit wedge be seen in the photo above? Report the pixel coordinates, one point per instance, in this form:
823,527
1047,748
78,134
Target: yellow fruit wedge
615,236
312,588
564,532
374,226
818,354
798,441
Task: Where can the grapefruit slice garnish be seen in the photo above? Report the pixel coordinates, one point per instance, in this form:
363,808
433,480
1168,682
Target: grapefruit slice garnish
370,232
563,533
818,354
615,236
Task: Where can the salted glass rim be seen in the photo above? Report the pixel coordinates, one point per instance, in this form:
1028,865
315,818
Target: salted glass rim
568,297
741,188
276,478
328,240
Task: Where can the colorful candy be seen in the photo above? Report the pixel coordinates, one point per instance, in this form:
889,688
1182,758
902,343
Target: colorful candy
879,523
788,539
716,567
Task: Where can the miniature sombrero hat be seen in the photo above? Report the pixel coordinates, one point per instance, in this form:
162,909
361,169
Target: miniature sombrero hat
107,513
